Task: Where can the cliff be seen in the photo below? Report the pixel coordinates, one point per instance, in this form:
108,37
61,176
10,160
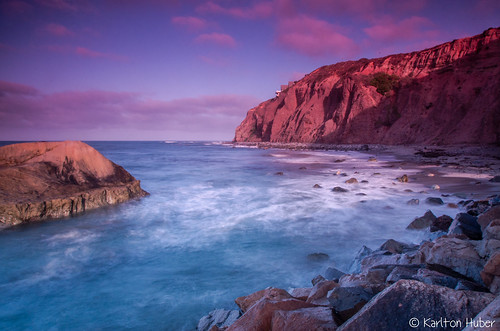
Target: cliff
55,179
447,94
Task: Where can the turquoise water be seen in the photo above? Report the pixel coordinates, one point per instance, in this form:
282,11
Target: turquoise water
219,224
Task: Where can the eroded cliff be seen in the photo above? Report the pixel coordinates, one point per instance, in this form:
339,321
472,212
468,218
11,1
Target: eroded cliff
55,179
448,94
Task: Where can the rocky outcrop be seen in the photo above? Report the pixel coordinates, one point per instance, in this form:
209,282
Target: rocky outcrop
442,95
44,180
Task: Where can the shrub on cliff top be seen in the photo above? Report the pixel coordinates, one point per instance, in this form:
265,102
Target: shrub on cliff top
384,82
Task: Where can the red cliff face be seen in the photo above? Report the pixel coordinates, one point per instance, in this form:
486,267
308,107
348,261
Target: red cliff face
448,94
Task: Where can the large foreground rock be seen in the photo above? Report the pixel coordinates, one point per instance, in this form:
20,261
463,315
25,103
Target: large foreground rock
395,307
44,180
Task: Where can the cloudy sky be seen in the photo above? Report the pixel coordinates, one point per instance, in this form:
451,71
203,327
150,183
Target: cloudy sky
191,69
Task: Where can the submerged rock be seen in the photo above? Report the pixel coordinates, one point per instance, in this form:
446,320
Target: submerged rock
339,189
434,201
45,180
351,181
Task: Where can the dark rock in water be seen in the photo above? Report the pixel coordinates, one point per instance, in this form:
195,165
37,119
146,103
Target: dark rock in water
351,181
339,189
320,291
334,274
347,301
403,179
361,194
372,159
433,277
452,205
339,160
318,257
495,179
411,301
344,174
271,293
364,181
408,190
442,223
260,315
279,173
315,318
434,201
475,208
485,218
423,222
317,186
317,279
466,224
413,202
302,168
219,317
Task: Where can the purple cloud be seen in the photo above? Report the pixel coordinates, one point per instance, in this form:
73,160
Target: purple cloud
190,22
24,109
313,37
220,39
257,11
407,29
58,30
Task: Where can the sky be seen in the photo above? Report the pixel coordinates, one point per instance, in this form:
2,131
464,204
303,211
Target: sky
191,69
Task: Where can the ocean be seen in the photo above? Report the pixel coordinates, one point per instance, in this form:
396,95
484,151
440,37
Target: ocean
221,222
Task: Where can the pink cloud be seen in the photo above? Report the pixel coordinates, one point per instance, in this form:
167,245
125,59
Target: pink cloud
15,7
10,88
24,109
85,52
190,22
313,37
221,39
58,30
257,11
414,27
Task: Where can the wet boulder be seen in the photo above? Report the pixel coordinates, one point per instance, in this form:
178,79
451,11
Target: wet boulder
410,302
271,293
434,201
219,318
334,274
466,224
347,301
301,293
320,291
442,223
315,318
422,222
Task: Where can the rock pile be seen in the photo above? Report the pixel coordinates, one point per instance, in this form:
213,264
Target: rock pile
449,282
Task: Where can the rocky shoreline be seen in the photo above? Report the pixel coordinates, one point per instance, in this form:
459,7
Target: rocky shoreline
46,180
449,281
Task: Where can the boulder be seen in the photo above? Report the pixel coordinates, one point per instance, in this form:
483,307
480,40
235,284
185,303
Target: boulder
315,318
403,179
410,302
487,319
271,293
466,224
382,257
219,318
484,219
301,293
320,291
334,274
434,201
491,273
347,301
339,189
458,254
355,266
317,279
413,202
422,222
492,231
397,247
351,181
442,223
260,315
317,186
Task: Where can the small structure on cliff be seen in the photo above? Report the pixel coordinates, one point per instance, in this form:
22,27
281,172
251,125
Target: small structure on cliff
44,180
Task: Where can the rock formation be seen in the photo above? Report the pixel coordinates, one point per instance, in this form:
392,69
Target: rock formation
447,94
55,179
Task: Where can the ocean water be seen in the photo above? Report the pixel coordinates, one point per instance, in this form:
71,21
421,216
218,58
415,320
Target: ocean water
219,223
